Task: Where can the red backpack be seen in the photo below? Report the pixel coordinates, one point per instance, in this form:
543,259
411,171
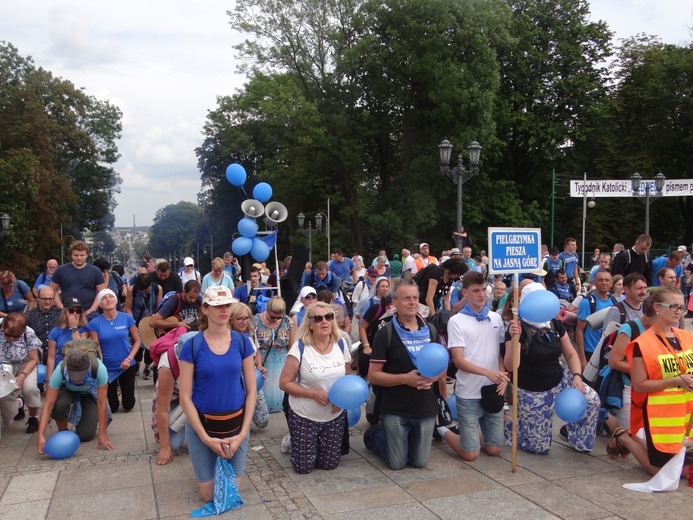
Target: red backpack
167,343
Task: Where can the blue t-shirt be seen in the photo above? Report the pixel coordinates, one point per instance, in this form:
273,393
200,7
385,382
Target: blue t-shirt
217,382
43,279
660,262
114,338
78,283
329,283
570,260
342,269
14,302
57,379
241,294
591,337
61,336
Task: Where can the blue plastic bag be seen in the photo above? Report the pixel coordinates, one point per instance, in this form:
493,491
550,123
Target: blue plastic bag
226,495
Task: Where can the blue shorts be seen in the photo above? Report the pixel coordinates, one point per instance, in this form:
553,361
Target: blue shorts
204,459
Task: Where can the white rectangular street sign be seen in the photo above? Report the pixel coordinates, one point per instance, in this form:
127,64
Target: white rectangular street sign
622,188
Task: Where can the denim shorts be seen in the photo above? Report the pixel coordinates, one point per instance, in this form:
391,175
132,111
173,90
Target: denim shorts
471,416
204,459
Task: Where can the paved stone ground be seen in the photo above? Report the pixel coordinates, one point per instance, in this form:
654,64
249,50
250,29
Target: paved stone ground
127,483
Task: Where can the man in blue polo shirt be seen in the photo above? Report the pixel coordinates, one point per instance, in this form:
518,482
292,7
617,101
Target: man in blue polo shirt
570,260
587,339
340,266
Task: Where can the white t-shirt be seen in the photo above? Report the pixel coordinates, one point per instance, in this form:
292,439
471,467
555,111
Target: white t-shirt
481,342
186,277
165,363
318,371
408,264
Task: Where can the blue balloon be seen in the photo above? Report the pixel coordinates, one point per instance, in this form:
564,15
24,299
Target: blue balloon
452,404
235,174
353,417
247,227
41,372
348,392
570,405
62,445
241,246
262,192
260,379
432,360
259,250
539,306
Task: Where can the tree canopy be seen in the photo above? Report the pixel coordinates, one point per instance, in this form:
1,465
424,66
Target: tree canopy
56,147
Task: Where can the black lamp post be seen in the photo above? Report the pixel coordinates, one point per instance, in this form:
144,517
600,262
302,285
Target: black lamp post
459,174
648,198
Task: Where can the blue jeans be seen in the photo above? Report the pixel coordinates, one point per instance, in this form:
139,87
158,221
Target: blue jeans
403,440
204,459
471,416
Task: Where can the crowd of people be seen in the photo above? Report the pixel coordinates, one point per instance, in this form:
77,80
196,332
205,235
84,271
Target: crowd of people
205,340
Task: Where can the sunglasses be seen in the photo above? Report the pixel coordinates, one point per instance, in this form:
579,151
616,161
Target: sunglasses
191,265
75,310
273,318
311,297
319,317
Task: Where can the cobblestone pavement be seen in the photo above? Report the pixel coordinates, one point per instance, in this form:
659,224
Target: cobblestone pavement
127,483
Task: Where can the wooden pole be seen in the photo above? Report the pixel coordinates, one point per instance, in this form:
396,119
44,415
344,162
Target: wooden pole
516,364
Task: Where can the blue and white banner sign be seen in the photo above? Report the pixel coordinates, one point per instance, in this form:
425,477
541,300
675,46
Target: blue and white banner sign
514,250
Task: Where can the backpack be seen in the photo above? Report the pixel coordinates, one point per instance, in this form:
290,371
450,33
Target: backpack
167,343
89,346
600,356
593,305
170,294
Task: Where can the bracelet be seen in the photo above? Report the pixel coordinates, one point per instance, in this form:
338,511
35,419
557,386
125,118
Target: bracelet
74,329
366,345
579,374
130,360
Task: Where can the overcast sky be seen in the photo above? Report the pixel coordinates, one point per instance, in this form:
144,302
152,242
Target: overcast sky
165,62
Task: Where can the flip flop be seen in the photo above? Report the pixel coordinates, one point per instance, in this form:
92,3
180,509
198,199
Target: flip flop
614,452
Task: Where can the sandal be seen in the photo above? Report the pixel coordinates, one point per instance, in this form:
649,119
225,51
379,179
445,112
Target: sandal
614,452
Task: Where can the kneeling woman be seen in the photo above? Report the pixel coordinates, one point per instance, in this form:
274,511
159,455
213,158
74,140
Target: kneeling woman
661,376
541,377
218,407
312,366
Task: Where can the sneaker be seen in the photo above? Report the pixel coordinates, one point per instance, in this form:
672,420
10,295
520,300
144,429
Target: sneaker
563,432
20,414
32,425
437,436
285,446
455,429
367,440
147,374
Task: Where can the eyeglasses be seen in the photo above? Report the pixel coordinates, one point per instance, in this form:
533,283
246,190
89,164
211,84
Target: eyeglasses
75,310
273,318
46,299
672,307
243,318
319,317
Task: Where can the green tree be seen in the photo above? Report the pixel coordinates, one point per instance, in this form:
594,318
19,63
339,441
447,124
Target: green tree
55,147
174,228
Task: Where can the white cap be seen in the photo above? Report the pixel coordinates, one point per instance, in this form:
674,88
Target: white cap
188,261
682,248
306,291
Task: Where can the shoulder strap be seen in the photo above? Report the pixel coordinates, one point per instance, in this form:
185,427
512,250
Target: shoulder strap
180,304
301,348
621,311
592,301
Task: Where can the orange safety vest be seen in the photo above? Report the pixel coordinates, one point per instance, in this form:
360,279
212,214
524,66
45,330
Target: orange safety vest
669,410
419,263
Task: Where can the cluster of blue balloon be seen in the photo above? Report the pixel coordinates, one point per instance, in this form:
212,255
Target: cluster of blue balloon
348,392
570,405
41,372
539,306
248,242
62,445
432,360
